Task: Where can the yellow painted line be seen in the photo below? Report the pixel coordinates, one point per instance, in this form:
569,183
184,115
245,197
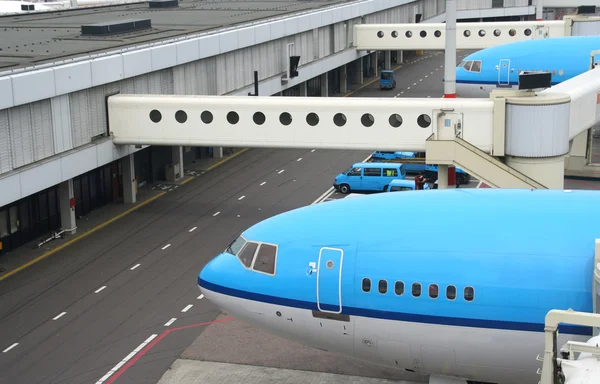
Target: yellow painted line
190,178
227,159
75,239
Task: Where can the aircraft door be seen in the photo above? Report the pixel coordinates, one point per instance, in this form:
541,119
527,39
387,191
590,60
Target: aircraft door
504,72
329,280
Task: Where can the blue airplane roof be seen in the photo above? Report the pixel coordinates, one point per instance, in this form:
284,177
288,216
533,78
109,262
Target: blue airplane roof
483,218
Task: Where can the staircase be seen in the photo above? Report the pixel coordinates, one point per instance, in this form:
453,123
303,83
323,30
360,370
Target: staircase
484,167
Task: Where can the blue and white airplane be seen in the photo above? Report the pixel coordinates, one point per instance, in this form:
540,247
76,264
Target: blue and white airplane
411,296
499,67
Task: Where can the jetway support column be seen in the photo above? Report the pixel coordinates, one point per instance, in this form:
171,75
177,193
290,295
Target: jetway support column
217,152
66,197
399,57
325,84
129,187
442,176
549,171
344,79
388,59
374,64
303,91
539,9
177,161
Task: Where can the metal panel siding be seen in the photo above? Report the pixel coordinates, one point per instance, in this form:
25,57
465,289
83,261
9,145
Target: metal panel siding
5,147
80,118
43,141
97,111
61,123
19,119
154,83
166,81
430,8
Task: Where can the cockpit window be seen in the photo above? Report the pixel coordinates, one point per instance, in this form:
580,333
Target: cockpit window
236,245
265,259
247,254
476,67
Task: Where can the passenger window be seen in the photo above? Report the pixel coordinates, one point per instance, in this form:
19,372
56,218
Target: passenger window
390,172
451,292
399,288
372,171
476,66
366,284
247,254
469,293
416,289
433,291
554,72
265,259
355,172
395,189
560,73
383,286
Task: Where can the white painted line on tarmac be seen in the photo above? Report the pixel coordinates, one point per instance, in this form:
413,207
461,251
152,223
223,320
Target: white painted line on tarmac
240,198
216,213
263,183
312,151
170,322
324,196
426,76
59,316
299,159
100,289
126,359
420,79
408,88
193,229
431,73
201,297
11,347
187,308
414,84
280,172
135,266
166,246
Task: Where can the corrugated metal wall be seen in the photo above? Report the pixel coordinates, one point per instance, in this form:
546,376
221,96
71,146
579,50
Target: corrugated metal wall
473,4
32,132
516,3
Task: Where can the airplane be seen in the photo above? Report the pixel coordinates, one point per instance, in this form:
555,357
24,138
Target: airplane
412,297
499,66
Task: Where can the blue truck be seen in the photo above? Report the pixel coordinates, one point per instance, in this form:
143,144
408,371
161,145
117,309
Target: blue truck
387,80
414,162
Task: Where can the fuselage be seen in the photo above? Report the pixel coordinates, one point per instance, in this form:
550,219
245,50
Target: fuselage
499,67
448,282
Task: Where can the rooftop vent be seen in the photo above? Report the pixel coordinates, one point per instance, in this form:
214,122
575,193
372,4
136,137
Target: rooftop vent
112,27
163,3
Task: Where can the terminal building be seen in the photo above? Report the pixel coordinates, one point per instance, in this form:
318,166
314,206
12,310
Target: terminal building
57,161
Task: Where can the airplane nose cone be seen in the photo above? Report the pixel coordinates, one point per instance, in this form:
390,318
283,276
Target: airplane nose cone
217,274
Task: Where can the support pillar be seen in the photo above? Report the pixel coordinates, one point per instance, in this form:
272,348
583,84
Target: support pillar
539,9
129,181
344,79
325,84
361,71
579,162
400,57
450,53
177,161
303,90
388,60
217,152
67,206
442,176
549,171
374,64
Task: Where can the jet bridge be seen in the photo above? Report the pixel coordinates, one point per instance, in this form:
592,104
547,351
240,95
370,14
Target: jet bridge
468,35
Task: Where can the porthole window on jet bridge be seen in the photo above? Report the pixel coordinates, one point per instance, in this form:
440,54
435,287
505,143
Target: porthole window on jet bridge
481,33
181,117
399,288
233,117
469,293
285,118
155,116
497,33
467,33
424,121
434,291
259,118
451,292
512,33
394,34
367,120
423,33
437,33
339,119
527,32
408,34
395,120
366,284
312,119
380,34
383,287
206,117
416,289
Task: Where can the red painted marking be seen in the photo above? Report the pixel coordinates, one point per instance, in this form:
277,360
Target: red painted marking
484,185
449,95
153,343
